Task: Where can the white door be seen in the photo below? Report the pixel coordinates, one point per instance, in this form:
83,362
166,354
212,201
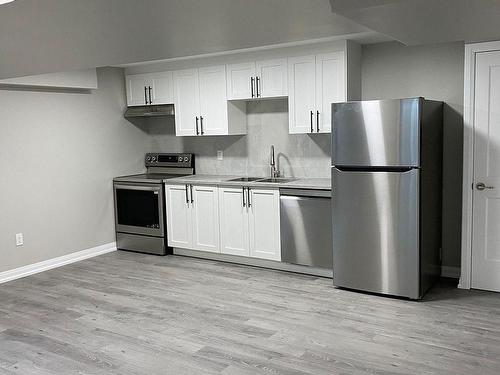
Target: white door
241,81
233,221
205,218
186,101
486,206
271,78
163,88
301,94
213,101
264,224
330,88
178,212
137,89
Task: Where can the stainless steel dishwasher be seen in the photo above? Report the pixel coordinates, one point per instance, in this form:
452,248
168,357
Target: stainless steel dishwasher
306,227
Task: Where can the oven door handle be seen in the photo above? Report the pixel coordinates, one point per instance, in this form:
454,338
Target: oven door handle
134,187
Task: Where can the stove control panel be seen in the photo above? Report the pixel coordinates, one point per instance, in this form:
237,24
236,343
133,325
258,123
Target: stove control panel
180,160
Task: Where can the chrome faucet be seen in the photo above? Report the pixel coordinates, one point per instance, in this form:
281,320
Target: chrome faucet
272,162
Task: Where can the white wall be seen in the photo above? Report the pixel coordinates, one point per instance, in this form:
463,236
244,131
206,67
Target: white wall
58,155
391,70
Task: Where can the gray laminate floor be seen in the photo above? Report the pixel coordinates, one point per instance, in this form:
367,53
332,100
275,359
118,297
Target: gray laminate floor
126,313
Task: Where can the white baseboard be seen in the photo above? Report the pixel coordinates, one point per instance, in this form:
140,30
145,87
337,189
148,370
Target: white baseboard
31,269
453,272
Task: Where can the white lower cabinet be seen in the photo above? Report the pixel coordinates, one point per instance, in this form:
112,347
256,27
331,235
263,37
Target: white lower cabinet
233,221
250,222
205,218
193,217
264,224
228,220
179,217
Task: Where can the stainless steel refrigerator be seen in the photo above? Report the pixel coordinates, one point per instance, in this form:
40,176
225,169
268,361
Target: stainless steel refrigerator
386,195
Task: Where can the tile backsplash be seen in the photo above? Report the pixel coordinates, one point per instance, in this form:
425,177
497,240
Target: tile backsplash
297,155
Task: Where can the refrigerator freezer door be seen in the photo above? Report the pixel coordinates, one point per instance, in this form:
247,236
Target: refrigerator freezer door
379,133
375,231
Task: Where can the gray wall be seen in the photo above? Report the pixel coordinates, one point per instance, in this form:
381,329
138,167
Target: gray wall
300,155
391,70
58,154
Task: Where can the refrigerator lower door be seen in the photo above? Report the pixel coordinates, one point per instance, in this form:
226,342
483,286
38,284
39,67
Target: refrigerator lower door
375,231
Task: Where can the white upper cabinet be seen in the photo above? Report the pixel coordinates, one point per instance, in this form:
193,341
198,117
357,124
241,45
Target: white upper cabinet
138,89
314,83
201,105
241,81
330,87
187,102
301,94
163,88
149,88
255,80
213,101
271,78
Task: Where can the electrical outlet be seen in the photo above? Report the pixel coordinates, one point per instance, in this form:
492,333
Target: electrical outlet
19,239
220,155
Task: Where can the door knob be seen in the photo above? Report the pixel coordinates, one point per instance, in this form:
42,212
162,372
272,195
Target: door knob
481,186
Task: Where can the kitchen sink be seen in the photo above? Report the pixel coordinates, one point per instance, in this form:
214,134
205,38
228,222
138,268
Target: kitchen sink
245,179
278,180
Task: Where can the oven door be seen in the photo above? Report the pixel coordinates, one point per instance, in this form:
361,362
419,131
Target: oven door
139,209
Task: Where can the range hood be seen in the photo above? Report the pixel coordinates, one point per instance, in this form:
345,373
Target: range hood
150,111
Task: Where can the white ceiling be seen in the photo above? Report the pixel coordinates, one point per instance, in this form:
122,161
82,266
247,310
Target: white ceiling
60,35
426,21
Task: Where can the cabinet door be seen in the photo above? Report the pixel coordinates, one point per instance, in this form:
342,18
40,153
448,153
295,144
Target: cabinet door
179,228
301,94
205,220
272,75
264,224
137,86
239,81
330,87
233,221
163,88
186,101
213,101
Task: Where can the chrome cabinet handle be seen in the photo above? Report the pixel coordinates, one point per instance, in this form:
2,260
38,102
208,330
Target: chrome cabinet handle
312,127
257,89
251,86
244,201
249,199
187,195
150,96
201,124
146,95
481,186
317,121
197,130
191,189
